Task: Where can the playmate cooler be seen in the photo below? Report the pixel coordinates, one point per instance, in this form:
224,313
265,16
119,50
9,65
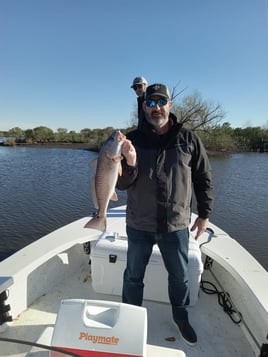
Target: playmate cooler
108,259
93,328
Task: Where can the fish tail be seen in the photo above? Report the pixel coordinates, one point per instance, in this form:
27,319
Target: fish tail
97,222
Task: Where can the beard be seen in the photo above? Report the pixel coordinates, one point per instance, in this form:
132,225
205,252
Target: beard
157,121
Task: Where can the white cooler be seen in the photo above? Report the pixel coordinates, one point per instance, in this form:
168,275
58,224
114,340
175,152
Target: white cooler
108,261
93,328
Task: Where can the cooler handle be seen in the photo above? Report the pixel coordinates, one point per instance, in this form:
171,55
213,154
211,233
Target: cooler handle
101,315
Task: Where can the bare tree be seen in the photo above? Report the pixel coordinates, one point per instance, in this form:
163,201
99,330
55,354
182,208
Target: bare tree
196,113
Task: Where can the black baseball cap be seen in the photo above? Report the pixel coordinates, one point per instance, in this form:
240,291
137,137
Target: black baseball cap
157,89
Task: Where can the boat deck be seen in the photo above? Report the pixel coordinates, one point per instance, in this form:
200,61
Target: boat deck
207,317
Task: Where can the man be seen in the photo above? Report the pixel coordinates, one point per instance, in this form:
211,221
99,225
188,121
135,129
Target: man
139,85
162,162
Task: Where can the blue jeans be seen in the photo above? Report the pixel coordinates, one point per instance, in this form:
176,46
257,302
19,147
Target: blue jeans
174,250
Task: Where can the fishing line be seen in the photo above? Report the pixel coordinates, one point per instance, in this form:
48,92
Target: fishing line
39,345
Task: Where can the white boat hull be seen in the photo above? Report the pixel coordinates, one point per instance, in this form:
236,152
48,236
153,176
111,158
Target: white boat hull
54,268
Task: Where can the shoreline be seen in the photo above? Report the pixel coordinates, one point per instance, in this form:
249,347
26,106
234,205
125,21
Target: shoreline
88,147
80,146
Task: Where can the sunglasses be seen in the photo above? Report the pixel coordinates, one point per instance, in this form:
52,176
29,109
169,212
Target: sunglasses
151,103
137,86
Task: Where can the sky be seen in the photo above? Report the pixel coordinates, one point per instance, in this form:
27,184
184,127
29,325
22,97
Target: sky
70,63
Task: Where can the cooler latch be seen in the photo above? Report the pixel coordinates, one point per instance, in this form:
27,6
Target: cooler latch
112,258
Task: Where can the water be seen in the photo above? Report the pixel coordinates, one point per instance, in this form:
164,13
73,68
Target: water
241,200
42,189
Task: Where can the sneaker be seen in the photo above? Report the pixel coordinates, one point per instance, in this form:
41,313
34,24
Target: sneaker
186,332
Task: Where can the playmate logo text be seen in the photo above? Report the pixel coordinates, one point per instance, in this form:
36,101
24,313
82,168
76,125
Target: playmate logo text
99,339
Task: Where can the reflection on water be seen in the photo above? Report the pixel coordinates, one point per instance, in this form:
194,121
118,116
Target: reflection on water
42,189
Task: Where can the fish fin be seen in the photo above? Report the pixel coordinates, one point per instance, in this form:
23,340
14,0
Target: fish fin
97,223
114,197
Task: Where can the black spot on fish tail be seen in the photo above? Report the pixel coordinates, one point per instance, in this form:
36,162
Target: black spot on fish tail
97,222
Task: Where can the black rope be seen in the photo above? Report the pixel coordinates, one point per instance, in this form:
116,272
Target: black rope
223,300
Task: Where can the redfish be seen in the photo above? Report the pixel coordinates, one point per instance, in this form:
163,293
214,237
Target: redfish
107,170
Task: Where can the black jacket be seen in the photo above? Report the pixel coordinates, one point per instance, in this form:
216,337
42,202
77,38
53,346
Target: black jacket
160,186
141,113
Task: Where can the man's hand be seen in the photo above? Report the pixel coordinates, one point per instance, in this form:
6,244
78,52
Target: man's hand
201,224
129,152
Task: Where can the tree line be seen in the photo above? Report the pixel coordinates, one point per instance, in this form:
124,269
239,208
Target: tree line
206,119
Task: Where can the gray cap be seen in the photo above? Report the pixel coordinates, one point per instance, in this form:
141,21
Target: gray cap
139,80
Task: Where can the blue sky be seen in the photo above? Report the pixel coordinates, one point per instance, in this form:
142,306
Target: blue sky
70,63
